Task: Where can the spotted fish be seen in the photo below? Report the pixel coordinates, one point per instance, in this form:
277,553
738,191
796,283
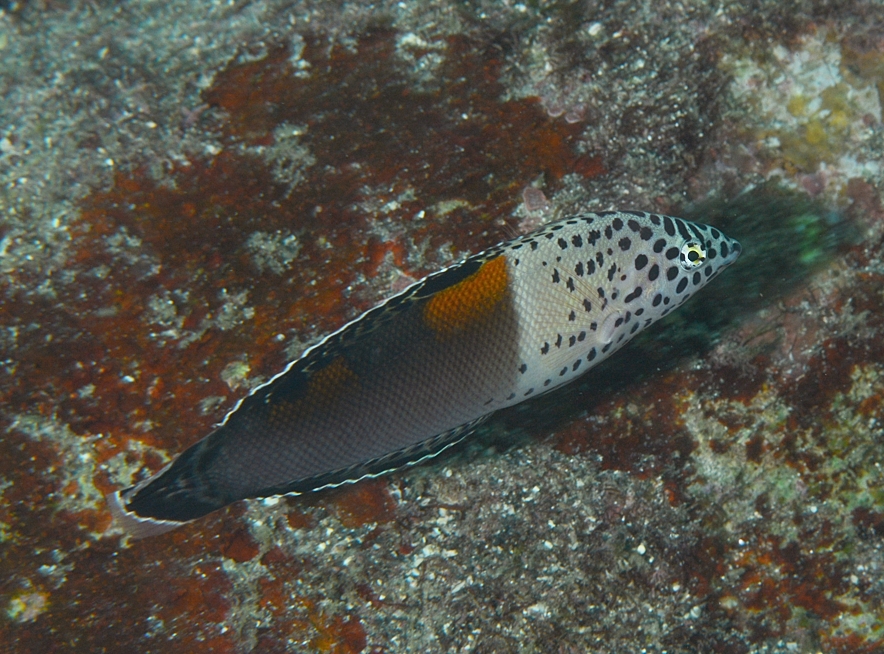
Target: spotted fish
417,373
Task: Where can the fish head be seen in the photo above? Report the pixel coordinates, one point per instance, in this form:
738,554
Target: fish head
692,256
654,264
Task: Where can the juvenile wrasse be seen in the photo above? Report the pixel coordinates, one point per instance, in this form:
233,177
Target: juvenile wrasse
416,374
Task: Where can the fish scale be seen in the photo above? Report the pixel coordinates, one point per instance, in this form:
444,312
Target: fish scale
416,374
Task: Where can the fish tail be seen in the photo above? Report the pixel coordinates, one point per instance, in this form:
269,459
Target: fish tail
172,497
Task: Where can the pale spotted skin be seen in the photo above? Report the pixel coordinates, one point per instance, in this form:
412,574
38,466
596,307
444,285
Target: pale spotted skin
417,373
586,285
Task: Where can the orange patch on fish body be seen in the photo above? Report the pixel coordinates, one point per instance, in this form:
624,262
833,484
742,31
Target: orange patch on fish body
454,309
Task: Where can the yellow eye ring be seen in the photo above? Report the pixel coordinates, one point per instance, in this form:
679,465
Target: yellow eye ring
692,255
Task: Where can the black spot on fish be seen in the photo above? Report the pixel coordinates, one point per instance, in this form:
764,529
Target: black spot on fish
601,293
572,340
511,396
668,225
545,348
672,253
592,355
558,340
578,269
590,267
600,259
582,335
563,243
617,224
724,250
655,219
659,244
609,232
672,273
633,225
528,392
523,368
625,244
683,229
587,305
593,326
563,371
612,271
533,245
640,262
572,316
618,322
682,285
576,365
593,236
447,279
635,328
555,276
547,382
656,302
654,272
634,295
646,233
698,277
570,284
577,241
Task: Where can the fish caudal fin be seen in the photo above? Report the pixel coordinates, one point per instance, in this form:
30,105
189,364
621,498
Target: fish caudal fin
170,498
134,525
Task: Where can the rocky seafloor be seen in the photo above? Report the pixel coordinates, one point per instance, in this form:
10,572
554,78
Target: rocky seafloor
192,192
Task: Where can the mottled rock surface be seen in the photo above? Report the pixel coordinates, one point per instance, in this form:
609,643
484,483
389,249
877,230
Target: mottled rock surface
191,192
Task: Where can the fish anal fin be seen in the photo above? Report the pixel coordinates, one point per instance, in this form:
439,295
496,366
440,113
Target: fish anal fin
404,458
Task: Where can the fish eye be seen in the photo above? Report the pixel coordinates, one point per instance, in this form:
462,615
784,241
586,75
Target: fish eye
693,255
